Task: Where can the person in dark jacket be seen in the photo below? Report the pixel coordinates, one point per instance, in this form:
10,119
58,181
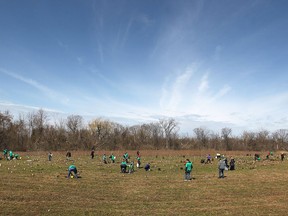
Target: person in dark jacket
92,154
68,155
147,167
123,166
282,156
232,164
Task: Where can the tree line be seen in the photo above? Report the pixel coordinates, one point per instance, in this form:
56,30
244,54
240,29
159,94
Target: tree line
34,131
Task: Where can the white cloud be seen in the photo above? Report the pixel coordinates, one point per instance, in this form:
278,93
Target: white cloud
204,84
223,91
172,92
127,31
20,108
44,89
31,82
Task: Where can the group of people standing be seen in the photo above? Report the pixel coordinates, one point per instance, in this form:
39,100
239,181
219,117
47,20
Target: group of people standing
104,157
223,165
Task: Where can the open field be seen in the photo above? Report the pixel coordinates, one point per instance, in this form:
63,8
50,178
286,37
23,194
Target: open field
35,186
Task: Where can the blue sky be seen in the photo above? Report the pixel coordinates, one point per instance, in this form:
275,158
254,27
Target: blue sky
213,64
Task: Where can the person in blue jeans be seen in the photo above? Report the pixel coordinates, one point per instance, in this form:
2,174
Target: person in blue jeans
188,170
72,170
221,167
123,166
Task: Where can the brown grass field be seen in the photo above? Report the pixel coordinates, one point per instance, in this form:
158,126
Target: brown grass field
35,186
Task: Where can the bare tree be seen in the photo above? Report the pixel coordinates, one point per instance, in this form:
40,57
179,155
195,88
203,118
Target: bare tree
168,126
22,133
249,140
281,138
156,134
102,131
5,125
262,140
74,123
215,141
202,136
36,125
226,132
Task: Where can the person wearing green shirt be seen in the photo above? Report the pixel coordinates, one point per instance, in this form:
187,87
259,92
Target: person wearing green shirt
138,161
126,157
72,170
11,155
123,166
5,152
16,156
131,167
112,157
188,170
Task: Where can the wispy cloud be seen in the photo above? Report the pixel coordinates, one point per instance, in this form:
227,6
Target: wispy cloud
16,108
176,34
100,52
223,91
111,107
204,84
61,43
126,32
172,92
197,96
145,19
44,89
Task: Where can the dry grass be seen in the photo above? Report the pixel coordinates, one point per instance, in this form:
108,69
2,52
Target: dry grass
35,186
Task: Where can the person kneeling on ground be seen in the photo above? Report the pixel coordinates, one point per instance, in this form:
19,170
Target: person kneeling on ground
123,166
188,169
16,156
147,167
131,167
72,171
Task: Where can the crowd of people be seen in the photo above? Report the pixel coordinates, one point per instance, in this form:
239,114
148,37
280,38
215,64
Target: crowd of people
127,165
